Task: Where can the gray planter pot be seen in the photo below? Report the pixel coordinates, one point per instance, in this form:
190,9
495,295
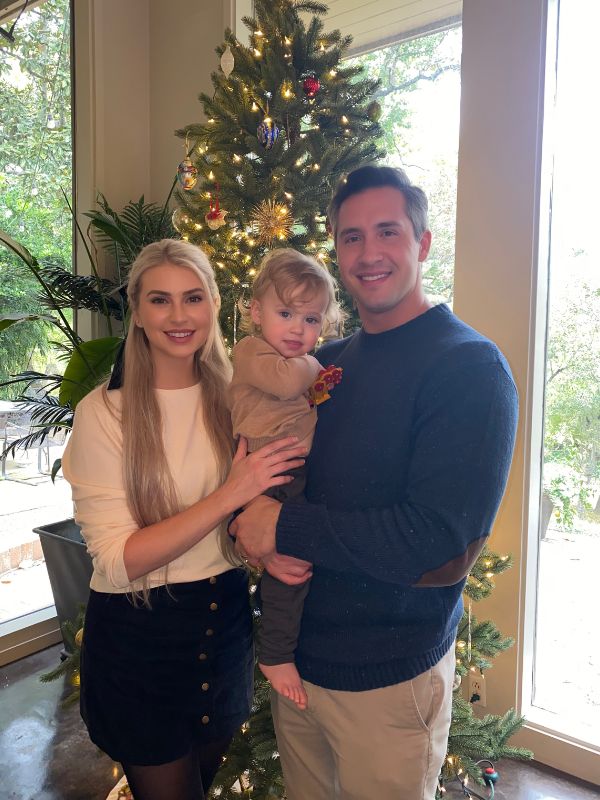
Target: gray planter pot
69,566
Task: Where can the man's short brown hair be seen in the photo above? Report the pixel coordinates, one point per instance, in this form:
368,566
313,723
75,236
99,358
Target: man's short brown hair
372,176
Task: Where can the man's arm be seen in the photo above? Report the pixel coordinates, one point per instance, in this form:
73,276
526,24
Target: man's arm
255,532
463,446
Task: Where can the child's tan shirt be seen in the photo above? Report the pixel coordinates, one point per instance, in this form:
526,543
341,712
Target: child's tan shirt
268,395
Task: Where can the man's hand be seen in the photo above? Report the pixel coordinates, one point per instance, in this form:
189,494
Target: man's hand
254,528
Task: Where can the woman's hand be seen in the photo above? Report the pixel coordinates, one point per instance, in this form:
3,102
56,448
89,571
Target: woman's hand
252,474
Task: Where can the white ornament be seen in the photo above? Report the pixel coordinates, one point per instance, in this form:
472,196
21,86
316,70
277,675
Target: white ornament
215,219
227,62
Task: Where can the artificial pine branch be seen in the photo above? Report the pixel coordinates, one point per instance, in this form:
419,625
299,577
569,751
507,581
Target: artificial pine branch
69,666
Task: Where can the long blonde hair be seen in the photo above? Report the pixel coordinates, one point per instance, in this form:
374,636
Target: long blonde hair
149,486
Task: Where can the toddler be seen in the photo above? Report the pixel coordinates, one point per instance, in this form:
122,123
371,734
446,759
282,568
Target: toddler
293,303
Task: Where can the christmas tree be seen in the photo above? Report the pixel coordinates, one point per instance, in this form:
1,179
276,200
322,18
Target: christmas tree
287,119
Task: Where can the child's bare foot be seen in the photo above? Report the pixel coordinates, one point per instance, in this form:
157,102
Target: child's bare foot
285,679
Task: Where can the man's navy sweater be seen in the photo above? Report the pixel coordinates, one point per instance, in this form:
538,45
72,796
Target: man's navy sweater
406,473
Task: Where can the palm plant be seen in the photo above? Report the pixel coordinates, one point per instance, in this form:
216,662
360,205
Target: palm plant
52,405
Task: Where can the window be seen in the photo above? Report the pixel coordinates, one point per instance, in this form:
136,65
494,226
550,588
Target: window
566,685
35,171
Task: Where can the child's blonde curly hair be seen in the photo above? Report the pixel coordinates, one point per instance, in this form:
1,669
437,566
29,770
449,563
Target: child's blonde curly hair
288,271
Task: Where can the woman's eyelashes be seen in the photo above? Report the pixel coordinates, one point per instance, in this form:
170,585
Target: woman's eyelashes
194,298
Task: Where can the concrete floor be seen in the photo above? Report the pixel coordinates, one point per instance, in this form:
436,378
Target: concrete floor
45,753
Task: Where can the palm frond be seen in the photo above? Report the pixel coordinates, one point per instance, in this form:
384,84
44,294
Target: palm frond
30,377
47,418
33,266
137,225
81,291
62,351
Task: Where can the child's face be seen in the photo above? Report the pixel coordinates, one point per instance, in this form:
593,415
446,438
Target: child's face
292,329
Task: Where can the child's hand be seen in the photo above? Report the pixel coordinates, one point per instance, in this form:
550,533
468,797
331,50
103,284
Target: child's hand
287,569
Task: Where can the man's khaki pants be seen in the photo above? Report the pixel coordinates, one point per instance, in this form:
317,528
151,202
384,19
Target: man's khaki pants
381,744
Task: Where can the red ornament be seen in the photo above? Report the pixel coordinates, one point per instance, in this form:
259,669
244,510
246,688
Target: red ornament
216,216
311,85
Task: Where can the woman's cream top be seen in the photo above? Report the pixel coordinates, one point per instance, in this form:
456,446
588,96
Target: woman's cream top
93,465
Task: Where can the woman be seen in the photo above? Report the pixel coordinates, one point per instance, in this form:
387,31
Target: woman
166,667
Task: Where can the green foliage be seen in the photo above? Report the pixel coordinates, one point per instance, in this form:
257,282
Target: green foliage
127,233
486,642
566,488
572,418
89,364
476,739
35,162
400,70
480,581
100,295
69,667
17,301
252,762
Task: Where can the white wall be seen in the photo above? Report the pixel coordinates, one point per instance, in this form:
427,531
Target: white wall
183,37
112,137
112,141
139,68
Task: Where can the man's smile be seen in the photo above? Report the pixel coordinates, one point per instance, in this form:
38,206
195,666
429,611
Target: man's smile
374,276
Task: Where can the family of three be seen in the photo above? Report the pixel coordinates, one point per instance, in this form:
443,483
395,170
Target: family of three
366,523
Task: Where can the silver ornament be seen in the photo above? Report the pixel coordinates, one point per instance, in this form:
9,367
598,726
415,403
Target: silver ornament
227,62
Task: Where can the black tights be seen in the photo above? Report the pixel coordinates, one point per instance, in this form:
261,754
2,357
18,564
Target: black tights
187,778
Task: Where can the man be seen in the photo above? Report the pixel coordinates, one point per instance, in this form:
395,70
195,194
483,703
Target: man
407,470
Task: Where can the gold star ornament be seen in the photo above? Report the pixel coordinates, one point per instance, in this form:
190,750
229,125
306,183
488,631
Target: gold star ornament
271,221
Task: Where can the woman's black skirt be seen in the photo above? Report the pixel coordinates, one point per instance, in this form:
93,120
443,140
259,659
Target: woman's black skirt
156,680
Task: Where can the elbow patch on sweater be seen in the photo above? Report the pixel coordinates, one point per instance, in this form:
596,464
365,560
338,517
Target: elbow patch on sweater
455,570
